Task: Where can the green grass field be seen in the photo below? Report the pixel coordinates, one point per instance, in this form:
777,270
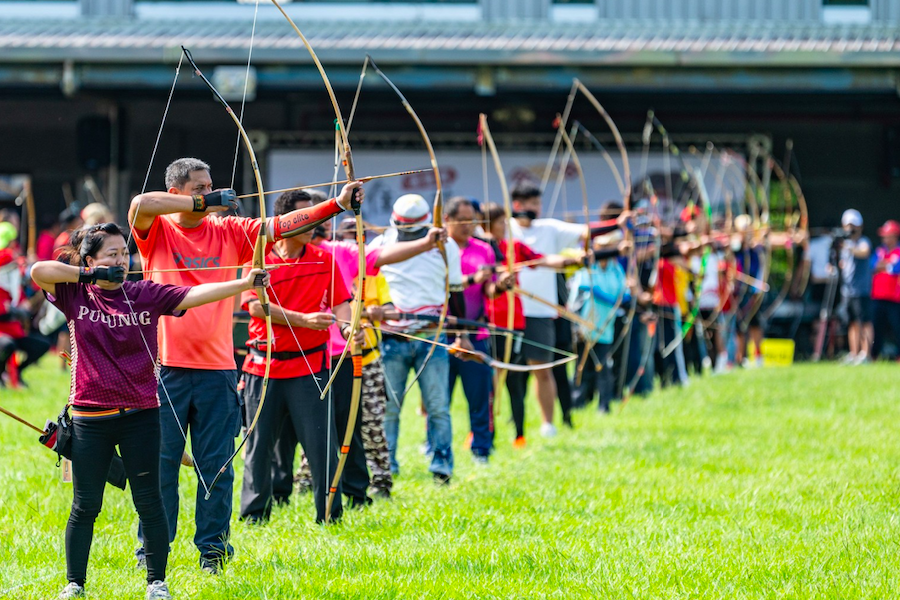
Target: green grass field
757,484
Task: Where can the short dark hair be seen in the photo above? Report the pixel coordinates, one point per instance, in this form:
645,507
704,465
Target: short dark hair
287,201
492,212
455,203
524,190
179,172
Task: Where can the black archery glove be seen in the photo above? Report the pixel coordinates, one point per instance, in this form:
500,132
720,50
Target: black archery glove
217,198
114,274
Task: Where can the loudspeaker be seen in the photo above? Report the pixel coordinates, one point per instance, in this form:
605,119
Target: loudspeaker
94,136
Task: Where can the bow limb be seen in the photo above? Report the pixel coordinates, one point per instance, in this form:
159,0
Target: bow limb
589,264
437,211
32,219
347,162
259,256
625,177
789,246
510,242
697,177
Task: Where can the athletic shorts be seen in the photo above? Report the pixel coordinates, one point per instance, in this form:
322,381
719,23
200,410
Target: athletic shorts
543,332
856,309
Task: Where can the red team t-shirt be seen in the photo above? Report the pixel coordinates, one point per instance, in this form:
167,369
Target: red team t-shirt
202,339
497,307
306,288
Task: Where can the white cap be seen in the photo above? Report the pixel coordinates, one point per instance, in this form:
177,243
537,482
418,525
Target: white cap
851,216
410,209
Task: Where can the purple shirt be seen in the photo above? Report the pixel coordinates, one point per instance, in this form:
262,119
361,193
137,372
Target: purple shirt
473,256
111,366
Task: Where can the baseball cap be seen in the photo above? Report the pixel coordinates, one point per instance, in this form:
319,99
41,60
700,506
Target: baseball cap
410,209
851,216
890,227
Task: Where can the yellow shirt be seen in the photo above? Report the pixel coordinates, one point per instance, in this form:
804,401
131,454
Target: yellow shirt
377,294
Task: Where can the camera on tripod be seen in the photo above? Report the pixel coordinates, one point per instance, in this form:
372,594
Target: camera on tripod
839,234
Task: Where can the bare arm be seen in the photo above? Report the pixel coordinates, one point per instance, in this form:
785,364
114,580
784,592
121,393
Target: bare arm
212,292
401,251
47,273
146,207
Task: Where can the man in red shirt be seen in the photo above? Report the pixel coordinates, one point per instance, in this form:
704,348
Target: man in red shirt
300,298
197,376
886,286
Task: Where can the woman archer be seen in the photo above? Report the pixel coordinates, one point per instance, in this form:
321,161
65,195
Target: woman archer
113,394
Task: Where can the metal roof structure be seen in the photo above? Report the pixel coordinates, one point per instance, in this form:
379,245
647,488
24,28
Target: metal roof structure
623,43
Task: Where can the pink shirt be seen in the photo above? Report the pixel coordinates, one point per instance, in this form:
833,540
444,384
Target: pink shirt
346,257
474,255
111,332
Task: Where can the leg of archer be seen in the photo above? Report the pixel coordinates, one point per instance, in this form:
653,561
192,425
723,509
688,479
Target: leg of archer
215,421
355,478
478,387
174,392
374,401
92,450
436,400
319,437
138,440
397,360
256,487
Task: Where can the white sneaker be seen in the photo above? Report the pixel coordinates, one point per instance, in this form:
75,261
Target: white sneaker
861,359
548,430
721,363
73,590
158,590
848,359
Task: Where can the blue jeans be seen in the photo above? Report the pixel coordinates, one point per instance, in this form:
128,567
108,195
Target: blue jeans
398,358
478,386
208,407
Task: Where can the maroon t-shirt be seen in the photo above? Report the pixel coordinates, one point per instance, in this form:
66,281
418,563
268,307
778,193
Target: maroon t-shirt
111,331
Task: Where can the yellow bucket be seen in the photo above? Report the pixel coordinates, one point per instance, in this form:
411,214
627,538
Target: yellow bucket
775,352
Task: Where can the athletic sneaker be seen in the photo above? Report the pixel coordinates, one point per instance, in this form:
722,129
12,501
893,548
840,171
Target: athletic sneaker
211,564
548,430
441,479
519,443
480,459
158,590
73,590
861,359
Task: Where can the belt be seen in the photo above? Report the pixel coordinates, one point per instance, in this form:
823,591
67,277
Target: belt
289,355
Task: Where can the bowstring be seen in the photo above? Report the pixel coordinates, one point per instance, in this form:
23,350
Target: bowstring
237,143
155,360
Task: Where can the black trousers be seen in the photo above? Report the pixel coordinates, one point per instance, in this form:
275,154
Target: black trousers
886,317
93,443
596,377
294,400
564,341
33,345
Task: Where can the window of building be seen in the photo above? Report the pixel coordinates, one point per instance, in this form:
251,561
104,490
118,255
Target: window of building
846,12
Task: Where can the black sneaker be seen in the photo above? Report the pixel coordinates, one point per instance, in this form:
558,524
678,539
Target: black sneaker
359,503
441,479
211,564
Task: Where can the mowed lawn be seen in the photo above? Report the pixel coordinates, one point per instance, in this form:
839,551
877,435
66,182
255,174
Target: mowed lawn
774,483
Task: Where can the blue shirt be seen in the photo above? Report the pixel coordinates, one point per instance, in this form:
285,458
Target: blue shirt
856,273
595,292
